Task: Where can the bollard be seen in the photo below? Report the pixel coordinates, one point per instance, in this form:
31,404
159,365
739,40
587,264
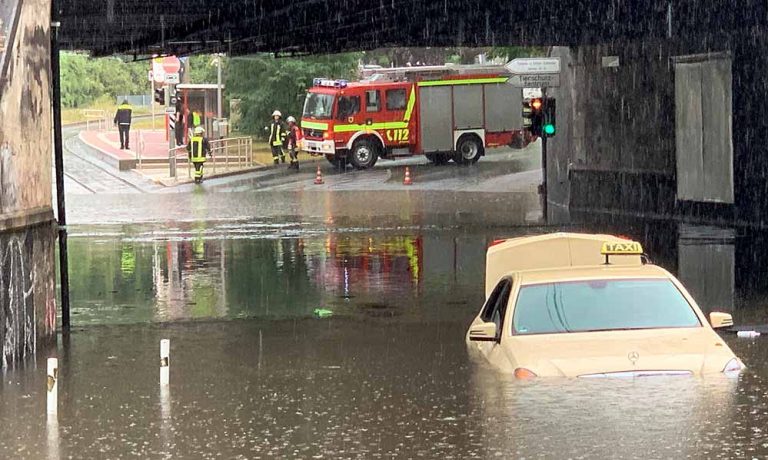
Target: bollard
53,385
165,364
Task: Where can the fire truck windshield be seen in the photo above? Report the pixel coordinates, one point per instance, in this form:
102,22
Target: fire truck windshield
318,106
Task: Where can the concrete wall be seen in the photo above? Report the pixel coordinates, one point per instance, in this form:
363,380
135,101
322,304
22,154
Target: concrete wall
617,129
27,270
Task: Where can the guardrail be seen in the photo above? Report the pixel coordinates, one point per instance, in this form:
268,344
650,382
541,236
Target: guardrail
226,152
97,116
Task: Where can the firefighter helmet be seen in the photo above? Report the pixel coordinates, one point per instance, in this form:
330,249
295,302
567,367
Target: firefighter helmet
199,130
277,113
290,119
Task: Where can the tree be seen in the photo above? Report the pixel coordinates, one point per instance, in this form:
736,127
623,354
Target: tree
85,79
264,83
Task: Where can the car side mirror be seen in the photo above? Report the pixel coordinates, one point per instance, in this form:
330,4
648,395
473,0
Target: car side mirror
484,332
719,320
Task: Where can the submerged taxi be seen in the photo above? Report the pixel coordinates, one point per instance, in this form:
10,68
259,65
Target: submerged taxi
577,305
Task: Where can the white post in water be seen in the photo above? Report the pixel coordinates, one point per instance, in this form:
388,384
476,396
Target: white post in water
165,357
53,385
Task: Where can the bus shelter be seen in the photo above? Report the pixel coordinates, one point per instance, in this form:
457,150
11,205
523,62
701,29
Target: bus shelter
197,105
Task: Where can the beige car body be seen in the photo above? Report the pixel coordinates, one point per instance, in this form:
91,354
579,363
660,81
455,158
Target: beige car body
575,257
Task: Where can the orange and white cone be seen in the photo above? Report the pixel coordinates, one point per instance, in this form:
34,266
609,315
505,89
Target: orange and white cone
407,180
319,177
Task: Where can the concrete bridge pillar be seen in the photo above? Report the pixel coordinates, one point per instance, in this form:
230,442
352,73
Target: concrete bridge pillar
27,225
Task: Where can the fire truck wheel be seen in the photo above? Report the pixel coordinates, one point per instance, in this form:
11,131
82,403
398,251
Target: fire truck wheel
364,154
469,150
438,158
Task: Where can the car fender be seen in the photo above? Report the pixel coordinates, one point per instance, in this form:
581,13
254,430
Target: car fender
357,135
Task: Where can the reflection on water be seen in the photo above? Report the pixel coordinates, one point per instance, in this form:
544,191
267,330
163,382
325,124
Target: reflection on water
192,276
388,375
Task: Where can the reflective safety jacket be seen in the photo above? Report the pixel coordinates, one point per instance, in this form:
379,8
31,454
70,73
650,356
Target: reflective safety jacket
277,134
123,114
198,148
294,136
195,119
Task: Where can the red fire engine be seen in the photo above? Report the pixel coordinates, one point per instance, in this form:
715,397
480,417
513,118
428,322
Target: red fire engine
446,113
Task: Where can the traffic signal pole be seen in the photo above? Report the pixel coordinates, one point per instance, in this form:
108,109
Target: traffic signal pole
543,186
171,133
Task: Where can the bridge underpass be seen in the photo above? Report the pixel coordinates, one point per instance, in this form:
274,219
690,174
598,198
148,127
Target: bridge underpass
625,143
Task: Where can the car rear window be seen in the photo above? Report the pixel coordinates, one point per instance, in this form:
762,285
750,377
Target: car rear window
601,305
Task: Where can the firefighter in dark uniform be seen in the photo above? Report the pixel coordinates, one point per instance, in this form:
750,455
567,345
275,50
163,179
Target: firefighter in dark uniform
277,134
198,149
294,136
123,122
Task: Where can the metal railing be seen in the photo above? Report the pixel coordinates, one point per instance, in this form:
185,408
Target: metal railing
97,116
227,152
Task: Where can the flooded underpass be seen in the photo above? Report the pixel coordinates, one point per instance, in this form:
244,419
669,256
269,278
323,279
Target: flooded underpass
383,372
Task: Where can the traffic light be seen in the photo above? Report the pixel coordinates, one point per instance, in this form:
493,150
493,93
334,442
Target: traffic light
160,95
535,115
549,127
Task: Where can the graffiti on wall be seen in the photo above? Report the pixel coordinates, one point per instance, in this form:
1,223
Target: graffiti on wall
17,308
27,292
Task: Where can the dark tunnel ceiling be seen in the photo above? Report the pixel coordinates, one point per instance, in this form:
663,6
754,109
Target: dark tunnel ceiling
317,26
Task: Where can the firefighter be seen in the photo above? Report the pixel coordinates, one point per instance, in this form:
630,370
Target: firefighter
198,148
123,122
277,135
294,136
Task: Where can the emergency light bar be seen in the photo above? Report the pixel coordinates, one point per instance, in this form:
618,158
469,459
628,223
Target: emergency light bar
329,83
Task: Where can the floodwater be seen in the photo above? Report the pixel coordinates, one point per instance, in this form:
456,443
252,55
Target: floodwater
255,374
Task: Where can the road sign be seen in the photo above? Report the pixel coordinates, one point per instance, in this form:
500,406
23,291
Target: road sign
171,64
172,78
534,65
170,109
547,80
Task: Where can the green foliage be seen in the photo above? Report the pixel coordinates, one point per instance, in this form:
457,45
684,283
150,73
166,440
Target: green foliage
264,83
202,68
85,79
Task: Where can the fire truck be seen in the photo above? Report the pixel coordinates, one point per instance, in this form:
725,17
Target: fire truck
448,113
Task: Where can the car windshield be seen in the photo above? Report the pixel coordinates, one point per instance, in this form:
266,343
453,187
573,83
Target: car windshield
318,106
601,305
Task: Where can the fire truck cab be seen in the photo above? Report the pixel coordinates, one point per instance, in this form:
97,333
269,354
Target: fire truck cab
448,116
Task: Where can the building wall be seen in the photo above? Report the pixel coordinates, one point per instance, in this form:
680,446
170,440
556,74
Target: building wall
619,142
27,233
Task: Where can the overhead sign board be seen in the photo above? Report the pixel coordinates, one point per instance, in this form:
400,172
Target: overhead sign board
522,66
547,80
172,78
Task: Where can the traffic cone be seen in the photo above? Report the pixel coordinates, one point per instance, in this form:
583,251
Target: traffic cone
407,180
319,177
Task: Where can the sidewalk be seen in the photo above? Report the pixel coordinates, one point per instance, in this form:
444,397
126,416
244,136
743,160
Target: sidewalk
146,147
148,157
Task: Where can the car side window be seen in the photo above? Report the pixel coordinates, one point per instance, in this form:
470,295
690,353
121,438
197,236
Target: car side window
396,99
348,106
496,305
372,101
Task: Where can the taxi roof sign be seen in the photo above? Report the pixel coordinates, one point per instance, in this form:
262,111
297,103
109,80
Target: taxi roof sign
628,248
623,248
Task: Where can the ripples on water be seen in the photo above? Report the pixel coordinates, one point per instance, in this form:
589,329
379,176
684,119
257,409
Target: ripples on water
254,375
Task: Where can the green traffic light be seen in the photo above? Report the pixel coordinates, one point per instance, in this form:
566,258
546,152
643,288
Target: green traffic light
549,129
